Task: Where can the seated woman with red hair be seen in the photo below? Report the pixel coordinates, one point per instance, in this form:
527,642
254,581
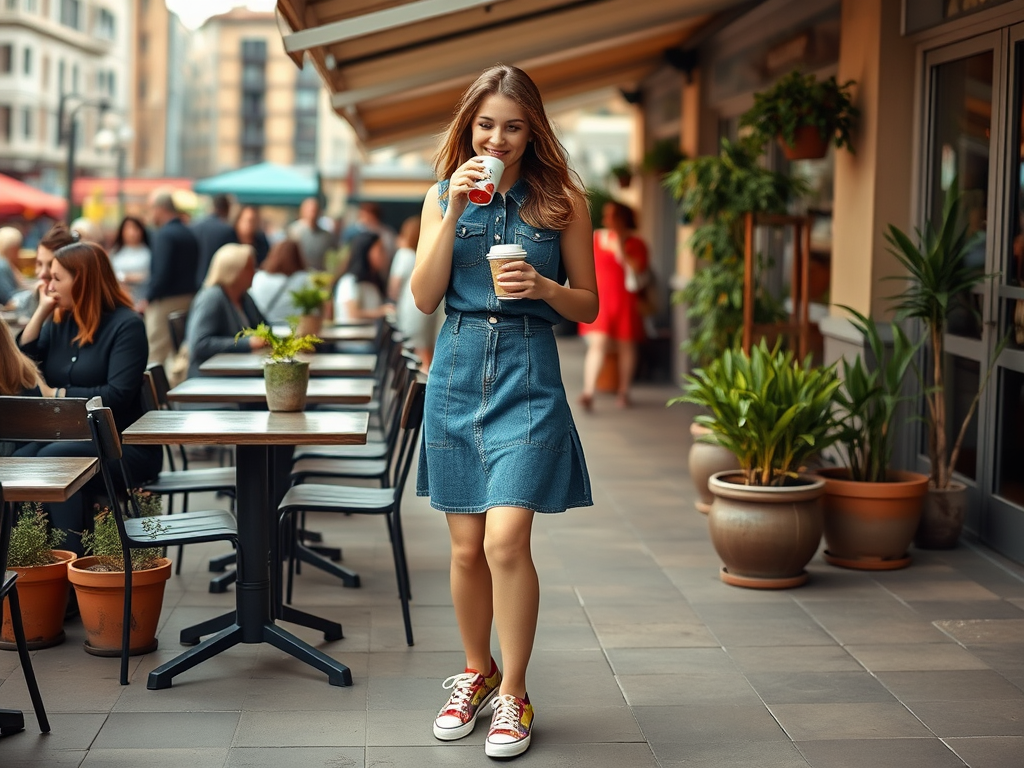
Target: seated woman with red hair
88,341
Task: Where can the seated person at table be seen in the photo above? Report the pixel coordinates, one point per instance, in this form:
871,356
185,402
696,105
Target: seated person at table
223,307
88,341
283,271
18,374
359,293
55,238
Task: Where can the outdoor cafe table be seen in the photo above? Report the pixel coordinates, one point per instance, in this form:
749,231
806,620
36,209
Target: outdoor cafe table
239,389
324,364
331,333
39,478
255,435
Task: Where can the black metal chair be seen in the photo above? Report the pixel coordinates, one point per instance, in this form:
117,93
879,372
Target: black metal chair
12,721
386,501
178,529
176,322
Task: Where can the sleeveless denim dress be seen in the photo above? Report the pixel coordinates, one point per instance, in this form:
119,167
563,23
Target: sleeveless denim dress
497,427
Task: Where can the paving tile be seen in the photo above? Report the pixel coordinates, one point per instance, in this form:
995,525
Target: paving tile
729,755
68,733
879,620
757,624
155,758
301,729
874,753
699,724
989,752
54,758
677,613
984,631
972,718
794,659
296,757
679,661
436,665
970,685
691,635
1002,657
941,589
889,658
691,688
874,720
164,730
946,610
397,693
818,687
284,694
540,753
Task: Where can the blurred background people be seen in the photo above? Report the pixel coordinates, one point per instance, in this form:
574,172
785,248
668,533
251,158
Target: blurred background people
223,308
359,292
18,374
131,256
618,253
249,231
369,219
419,329
55,238
283,271
212,232
88,230
14,288
314,240
88,342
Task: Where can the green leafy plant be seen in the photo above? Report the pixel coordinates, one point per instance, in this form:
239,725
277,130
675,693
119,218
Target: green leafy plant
283,349
771,411
939,273
798,100
662,157
311,297
104,543
717,191
623,174
868,400
32,539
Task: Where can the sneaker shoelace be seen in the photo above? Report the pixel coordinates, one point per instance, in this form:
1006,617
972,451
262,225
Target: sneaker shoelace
507,713
461,686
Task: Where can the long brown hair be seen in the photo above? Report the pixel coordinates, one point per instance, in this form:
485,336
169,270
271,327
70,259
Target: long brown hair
285,258
554,190
95,289
17,371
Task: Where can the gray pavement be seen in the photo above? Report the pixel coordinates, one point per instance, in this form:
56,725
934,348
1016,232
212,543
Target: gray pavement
643,657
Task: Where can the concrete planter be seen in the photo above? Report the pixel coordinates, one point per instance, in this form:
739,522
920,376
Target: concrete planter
706,459
287,383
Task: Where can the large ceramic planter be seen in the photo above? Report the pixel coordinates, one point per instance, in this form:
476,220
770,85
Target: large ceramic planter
43,595
309,324
942,518
765,535
705,460
868,526
287,383
101,604
807,144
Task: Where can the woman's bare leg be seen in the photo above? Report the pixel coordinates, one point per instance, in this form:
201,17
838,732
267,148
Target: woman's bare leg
627,368
597,348
517,591
471,588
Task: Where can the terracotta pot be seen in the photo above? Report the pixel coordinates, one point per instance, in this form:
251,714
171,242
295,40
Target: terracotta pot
706,459
868,526
43,594
309,324
942,518
101,603
807,144
765,535
286,385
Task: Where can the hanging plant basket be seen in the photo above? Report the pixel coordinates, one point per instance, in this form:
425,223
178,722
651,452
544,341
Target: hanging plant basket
807,144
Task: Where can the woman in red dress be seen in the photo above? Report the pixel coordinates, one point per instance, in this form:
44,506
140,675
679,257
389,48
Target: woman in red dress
615,247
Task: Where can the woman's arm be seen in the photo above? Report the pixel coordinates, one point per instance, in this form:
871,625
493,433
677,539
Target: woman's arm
433,270
578,300
31,332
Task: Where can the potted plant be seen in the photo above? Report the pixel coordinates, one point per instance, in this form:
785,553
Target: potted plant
772,412
287,377
99,583
623,174
871,510
804,115
42,580
938,272
309,301
663,156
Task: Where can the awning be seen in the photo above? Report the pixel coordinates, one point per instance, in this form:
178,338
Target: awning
19,199
262,184
133,188
395,68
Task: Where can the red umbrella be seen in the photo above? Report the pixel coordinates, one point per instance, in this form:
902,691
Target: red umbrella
18,199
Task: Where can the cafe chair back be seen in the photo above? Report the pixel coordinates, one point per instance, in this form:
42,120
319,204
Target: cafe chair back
182,528
360,500
44,419
12,721
176,322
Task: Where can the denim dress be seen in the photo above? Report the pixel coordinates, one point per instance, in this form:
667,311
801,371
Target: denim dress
497,427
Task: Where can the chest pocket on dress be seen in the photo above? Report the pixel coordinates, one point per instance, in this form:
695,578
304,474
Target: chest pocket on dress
540,245
470,244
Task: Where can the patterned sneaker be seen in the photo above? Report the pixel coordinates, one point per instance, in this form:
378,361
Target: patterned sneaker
510,727
470,692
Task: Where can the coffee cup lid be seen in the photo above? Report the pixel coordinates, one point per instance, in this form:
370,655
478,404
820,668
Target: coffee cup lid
506,250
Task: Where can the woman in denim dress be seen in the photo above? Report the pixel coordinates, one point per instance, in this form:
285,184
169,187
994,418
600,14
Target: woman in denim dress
499,442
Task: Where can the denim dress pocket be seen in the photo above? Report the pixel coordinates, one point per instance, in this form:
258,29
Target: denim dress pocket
471,246
541,245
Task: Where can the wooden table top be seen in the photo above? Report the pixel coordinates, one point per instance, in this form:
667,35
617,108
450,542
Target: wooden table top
241,389
337,332
248,428
324,364
44,478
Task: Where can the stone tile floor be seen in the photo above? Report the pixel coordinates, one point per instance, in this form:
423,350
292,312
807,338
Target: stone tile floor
643,657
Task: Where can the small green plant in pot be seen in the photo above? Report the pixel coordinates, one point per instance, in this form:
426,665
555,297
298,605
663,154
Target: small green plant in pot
309,302
871,509
773,413
286,376
34,554
804,115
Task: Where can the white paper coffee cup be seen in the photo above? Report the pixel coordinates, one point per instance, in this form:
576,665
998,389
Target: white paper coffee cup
485,187
498,256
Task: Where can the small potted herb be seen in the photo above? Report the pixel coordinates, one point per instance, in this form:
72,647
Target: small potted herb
663,156
623,174
286,376
309,301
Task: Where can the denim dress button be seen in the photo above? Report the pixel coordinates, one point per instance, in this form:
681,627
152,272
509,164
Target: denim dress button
492,319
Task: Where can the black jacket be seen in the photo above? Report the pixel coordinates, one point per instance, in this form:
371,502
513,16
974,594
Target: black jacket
175,261
213,322
211,233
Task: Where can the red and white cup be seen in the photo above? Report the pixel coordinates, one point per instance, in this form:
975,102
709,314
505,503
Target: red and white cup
485,187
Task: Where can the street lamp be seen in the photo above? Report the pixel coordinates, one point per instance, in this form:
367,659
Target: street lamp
117,136
69,134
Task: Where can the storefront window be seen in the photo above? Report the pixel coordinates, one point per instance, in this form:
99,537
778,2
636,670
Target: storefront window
1009,482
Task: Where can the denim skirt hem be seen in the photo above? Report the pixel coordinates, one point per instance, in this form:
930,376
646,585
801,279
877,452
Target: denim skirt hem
506,503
